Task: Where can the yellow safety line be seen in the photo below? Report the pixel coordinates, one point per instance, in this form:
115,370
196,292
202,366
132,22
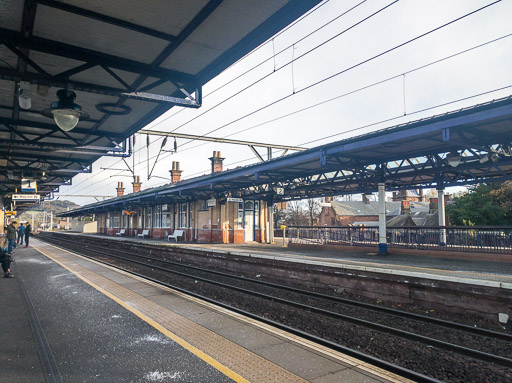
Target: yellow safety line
208,359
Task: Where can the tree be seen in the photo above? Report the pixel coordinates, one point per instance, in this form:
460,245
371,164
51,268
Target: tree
502,195
313,209
479,206
296,214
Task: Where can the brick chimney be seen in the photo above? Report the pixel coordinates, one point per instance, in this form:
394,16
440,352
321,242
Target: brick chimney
136,184
405,207
366,198
175,172
120,189
216,162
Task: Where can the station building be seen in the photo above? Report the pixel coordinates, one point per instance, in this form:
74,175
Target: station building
203,217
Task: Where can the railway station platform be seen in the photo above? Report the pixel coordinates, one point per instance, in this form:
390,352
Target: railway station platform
492,270
66,318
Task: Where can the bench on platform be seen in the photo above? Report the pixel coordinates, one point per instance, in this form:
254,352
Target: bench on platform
122,233
177,234
145,233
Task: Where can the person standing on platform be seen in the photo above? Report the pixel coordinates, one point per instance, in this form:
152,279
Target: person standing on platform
5,259
11,236
28,230
21,233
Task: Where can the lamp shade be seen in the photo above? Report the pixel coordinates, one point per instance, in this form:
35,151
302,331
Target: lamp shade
66,119
65,112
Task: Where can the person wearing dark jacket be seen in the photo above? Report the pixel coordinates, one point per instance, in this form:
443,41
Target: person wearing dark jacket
11,236
21,233
5,259
28,230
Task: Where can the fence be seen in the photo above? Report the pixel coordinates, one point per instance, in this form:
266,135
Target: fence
447,238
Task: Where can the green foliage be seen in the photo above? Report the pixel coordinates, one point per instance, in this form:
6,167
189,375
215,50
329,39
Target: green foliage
485,204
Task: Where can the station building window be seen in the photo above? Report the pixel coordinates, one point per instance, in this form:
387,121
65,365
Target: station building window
157,216
109,214
240,216
190,215
203,205
182,215
166,215
147,217
256,214
115,220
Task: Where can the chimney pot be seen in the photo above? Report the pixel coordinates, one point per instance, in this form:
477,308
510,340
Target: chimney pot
216,160
136,184
175,172
120,189
405,207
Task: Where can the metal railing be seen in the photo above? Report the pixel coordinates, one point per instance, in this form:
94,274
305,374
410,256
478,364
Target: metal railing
448,238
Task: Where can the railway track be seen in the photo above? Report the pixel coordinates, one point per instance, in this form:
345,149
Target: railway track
390,336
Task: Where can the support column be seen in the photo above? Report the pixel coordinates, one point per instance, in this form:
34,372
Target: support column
271,220
441,214
383,246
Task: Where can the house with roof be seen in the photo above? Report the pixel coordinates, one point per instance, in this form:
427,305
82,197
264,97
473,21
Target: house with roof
406,208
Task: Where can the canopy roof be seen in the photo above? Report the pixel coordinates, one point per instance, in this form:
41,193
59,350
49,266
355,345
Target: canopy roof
463,147
128,62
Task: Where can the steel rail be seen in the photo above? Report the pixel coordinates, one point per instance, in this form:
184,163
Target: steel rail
417,377
483,356
393,312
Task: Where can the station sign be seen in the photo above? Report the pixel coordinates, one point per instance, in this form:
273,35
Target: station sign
10,213
232,199
211,202
279,190
28,185
26,197
128,212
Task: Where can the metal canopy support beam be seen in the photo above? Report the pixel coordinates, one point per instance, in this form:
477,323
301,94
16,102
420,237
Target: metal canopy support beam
55,129
86,55
61,82
441,214
107,19
383,246
250,144
221,140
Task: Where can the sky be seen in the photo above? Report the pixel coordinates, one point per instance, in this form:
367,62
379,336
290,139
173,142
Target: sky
345,69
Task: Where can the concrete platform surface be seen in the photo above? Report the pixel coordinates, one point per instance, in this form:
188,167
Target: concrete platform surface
69,319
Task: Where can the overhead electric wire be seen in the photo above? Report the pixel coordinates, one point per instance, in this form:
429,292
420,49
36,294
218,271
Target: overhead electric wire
355,91
356,65
291,61
349,68
352,92
309,13
301,39
372,124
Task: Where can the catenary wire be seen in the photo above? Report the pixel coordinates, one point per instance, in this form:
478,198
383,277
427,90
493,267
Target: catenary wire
357,90
263,62
249,54
288,63
365,126
352,67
